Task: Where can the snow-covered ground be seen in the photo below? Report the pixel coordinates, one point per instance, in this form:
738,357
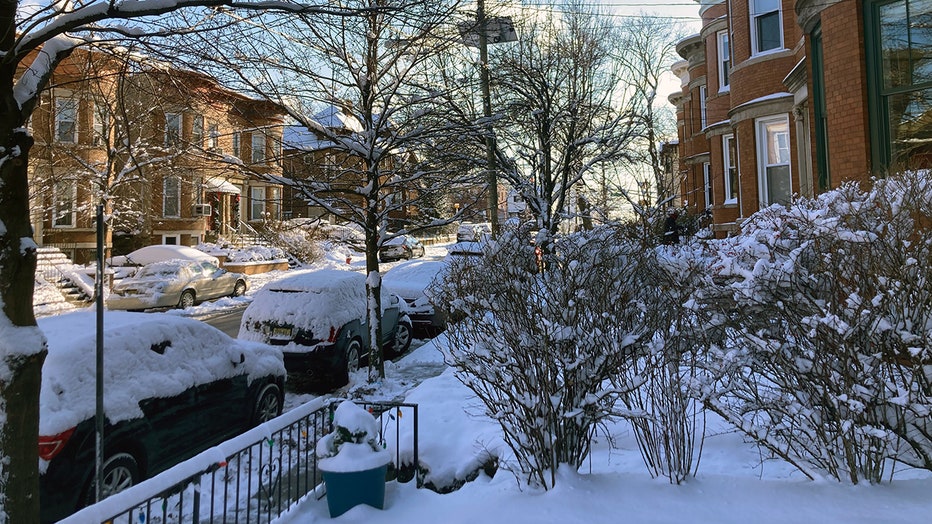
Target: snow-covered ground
735,483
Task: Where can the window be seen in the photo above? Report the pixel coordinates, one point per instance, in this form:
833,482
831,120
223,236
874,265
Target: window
773,160
258,147
236,143
171,197
724,61
766,26
275,200
172,129
256,203
702,111
213,137
197,131
64,195
730,162
707,184
66,120
899,51
101,123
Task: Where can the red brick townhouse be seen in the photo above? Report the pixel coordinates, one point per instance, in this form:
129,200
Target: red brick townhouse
793,97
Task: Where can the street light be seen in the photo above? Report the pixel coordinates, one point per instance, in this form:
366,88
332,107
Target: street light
500,29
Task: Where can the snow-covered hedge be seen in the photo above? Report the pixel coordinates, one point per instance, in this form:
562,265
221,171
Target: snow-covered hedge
827,360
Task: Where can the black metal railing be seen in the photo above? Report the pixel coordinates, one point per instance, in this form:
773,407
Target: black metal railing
271,468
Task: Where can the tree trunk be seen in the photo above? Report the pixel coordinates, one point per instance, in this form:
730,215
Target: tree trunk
21,365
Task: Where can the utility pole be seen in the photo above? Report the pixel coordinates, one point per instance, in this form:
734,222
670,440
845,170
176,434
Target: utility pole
487,113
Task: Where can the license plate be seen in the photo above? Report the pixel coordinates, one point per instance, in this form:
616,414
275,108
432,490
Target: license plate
281,332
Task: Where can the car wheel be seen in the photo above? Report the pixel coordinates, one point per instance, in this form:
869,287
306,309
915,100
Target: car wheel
402,338
268,405
187,299
121,472
352,356
239,289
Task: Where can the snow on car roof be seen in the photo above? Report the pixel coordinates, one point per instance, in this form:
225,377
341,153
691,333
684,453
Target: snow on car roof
137,363
166,267
160,252
315,300
408,279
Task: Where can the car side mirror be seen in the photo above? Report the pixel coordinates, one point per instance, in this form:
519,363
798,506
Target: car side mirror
242,358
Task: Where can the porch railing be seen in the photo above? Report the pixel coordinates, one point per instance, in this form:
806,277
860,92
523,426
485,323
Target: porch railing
253,478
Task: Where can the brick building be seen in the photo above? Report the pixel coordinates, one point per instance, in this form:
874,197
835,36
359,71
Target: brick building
782,98
177,158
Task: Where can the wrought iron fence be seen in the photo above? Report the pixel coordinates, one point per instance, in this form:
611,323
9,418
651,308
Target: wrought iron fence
270,469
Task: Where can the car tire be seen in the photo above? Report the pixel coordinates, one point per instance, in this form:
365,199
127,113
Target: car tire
353,352
121,472
402,340
268,405
187,299
239,289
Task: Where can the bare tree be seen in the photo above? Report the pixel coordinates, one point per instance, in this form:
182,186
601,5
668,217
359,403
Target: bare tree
562,108
363,88
36,38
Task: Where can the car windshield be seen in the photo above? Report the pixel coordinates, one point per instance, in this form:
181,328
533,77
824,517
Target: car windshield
160,271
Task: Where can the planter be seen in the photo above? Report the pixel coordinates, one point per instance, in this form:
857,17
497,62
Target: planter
348,489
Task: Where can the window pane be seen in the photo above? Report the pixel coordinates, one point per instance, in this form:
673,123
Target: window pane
66,117
764,6
920,37
894,44
171,205
911,128
768,31
779,188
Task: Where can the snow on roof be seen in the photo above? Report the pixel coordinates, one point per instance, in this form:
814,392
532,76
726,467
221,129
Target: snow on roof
334,117
138,364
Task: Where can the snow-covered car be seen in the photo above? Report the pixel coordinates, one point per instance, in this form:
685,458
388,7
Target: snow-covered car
181,283
473,232
161,253
319,320
401,246
464,249
173,387
409,280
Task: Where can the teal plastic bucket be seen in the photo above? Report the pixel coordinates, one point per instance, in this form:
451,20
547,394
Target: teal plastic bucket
350,489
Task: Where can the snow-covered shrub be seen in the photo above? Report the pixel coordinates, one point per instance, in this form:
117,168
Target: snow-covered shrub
354,444
539,348
668,424
828,362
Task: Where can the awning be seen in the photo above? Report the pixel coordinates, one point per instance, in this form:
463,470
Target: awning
217,185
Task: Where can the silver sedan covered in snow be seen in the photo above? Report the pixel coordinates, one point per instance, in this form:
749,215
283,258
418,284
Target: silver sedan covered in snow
177,282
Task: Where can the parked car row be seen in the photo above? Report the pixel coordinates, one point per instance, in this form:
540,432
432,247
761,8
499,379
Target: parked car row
175,386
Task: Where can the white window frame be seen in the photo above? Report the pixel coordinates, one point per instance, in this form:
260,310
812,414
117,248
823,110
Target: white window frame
256,202
703,94
213,136
274,197
730,164
257,147
166,198
61,105
101,122
172,131
237,143
197,130
707,184
754,15
176,238
724,61
764,160
62,209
